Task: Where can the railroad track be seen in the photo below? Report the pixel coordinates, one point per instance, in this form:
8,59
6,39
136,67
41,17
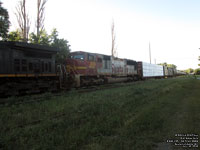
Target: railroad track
36,122
27,100
23,100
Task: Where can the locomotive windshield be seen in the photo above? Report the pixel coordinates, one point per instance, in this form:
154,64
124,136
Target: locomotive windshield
77,56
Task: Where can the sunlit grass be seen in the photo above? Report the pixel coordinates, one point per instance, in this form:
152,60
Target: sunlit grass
130,117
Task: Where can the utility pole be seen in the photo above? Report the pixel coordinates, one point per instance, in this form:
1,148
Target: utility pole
113,48
150,52
199,60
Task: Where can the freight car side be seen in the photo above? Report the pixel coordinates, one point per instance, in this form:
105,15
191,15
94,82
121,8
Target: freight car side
147,70
169,71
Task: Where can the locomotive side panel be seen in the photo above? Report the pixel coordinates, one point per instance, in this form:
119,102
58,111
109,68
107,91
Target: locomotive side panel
131,68
5,60
104,65
118,67
26,67
19,60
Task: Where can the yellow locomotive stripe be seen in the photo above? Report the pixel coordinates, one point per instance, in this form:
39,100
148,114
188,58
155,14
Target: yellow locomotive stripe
27,75
79,68
76,68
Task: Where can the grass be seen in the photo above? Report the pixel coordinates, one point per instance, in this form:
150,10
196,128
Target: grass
136,117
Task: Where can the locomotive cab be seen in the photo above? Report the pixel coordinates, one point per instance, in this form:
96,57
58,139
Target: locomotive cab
82,63
83,67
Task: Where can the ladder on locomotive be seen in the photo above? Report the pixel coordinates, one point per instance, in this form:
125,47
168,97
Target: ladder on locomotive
63,76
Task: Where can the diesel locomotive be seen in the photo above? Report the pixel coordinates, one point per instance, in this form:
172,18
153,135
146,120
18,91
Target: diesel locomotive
27,68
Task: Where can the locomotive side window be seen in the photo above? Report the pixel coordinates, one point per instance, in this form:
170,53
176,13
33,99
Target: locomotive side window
99,60
130,62
106,64
16,65
30,66
90,57
81,57
49,66
42,66
46,67
24,65
106,61
36,66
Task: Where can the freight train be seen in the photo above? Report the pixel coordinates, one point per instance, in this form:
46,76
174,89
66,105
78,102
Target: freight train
29,68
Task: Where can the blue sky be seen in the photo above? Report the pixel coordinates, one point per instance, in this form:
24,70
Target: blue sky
185,10
172,27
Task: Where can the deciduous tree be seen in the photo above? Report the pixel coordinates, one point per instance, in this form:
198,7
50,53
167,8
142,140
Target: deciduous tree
43,38
168,65
40,16
54,41
197,71
23,19
61,44
15,36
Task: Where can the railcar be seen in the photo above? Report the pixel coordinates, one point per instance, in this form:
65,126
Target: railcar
147,70
181,73
92,68
169,71
25,66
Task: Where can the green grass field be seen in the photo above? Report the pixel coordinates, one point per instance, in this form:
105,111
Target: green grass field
137,116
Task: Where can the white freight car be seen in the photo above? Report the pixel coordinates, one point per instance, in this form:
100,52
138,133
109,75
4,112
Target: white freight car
147,70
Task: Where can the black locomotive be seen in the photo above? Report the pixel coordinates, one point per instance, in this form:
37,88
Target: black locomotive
25,66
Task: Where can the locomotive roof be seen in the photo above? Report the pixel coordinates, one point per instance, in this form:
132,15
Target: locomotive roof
30,46
103,55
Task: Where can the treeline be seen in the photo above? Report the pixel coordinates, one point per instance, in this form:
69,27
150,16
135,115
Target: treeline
188,71
21,34
192,71
44,39
168,65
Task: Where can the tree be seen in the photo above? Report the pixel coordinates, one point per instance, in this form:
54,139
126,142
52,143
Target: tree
4,22
43,38
197,71
53,41
23,19
62,45
171,65
190,70
15,36
40,16
168,65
